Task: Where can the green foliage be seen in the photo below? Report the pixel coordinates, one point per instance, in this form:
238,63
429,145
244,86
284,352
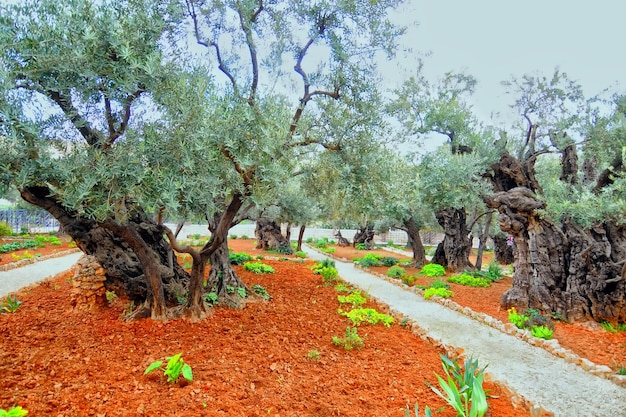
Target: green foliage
359,316
396,272
437,292
433,270
258,268
463,388
350,341
342,287
612,328
361,246
517,319
11,305
233,237
242,292
408,280
470,280
14,412
388,261
13,246
239,258
542,332
211,298
329,274
427,412
371,259
5,229
174,368
328,250
261,291
355,298
300,254
321,243
313,355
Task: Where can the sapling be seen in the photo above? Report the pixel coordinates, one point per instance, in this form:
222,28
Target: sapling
175,367
14,412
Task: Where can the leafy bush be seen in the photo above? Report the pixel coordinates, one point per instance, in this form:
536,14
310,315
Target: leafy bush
13,246
470,281
355,298
233,237
371,259
494,272
14,412
409,279
396,272
359,316
433,270
5,229
321,243
542,332
324,263
300,254
261,291
519,320
258,268
285,250
360,246
175,367
350,341
239,258
437,292
329,274
328,250
388,261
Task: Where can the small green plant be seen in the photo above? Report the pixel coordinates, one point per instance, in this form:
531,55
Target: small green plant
360,246
5,229
408,280
463,388
470,280
110,296
542,332
211,297
309,240
612,328
328,250
396,272
361,315
342,287
355,298
388,261
261,291
233,237
350,341
242,292
433,270
321,243
175,367
239,258
516,318
14,412
324,263
619,369
437,292
11,305
427,412
258,268
300,254
313,355
439,284
329,274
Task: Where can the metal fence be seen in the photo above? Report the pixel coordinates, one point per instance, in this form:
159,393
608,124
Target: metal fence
29,221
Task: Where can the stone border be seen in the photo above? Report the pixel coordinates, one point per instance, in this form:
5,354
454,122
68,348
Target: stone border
552,346
24,262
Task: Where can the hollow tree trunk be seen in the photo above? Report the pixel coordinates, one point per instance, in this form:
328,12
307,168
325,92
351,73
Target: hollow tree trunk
413,232
124,271
364,235
453,252
503,249
300,236
269,237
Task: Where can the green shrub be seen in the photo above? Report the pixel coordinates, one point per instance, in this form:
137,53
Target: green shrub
261,291
328,250
388,261
355,298
239,258
542,332
433,270
329,274
409,279
5,229
300,254
324,263
321,243
367,315
440,284
470,281
371,259
360,246
233,237
396,272
438,292
258,268
14,412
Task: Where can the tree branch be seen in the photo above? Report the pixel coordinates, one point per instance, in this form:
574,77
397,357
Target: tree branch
92,136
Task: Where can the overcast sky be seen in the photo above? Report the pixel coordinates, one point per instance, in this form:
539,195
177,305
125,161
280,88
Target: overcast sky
496,39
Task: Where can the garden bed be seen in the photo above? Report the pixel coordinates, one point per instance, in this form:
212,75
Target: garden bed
20,251
268,359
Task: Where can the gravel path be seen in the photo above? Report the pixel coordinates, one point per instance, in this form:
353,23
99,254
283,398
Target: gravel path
546,381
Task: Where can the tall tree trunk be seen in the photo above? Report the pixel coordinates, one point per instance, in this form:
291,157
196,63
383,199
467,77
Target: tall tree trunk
124,270
288,232
300,236
503,249
413,232
453,252
269,237
482,241
223,280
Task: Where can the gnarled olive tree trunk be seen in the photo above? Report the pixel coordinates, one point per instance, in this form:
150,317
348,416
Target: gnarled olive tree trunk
560,268
415,240
134,255
453,252
269,236
364,235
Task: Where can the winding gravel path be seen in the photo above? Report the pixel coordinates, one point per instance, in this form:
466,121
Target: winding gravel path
545,380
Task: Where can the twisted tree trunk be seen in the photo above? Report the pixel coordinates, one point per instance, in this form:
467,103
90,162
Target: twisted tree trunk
415,240
269,237
453,252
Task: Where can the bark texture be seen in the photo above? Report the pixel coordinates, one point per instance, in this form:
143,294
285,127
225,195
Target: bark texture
453,252
364,235
503,250
559,268
269,237
415,240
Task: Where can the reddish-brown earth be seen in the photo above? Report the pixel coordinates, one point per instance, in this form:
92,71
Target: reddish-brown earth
48,249
248,362
585,339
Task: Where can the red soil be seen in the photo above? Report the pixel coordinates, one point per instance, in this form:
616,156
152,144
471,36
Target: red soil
247,362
